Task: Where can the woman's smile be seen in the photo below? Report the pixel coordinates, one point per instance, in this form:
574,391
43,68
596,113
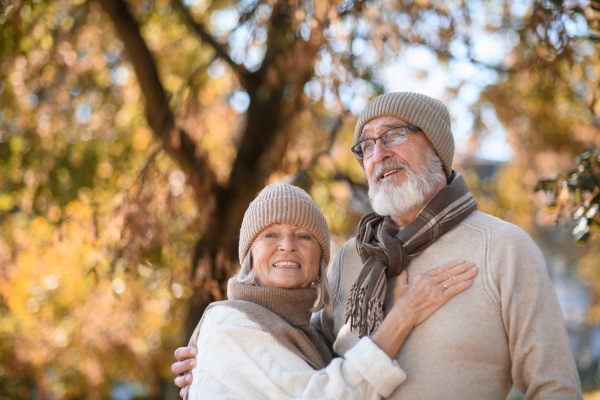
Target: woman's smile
287,264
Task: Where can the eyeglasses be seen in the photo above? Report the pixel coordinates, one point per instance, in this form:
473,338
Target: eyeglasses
391,138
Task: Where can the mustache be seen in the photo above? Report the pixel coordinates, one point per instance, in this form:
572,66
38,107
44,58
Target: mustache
390,164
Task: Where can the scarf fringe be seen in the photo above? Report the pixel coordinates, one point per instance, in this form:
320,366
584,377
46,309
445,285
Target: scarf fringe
374,309
353,309
360,310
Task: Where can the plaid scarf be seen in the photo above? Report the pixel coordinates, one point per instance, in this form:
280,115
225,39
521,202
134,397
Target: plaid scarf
386,251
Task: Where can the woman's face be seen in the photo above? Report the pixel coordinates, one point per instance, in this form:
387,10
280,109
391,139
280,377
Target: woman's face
286,256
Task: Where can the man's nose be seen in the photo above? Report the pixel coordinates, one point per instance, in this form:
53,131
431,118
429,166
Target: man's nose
381,151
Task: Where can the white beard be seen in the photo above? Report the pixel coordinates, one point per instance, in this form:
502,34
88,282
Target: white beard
388,198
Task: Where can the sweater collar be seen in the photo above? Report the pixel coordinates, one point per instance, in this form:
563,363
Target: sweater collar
293,305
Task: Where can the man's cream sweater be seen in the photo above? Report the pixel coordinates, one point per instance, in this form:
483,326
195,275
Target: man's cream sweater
507,328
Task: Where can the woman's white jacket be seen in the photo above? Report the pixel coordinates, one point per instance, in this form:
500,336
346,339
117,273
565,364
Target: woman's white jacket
237,359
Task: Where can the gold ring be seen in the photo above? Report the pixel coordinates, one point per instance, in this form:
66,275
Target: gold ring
444,284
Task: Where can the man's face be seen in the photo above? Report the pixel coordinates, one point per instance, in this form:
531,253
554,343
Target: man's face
412,152
401,178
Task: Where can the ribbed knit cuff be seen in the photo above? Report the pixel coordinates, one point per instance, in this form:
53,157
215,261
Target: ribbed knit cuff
375,366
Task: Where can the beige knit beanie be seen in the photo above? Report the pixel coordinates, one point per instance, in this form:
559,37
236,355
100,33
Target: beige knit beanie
427,113
283,203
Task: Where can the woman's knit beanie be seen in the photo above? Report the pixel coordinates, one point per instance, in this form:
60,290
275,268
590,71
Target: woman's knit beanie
283,203
427,113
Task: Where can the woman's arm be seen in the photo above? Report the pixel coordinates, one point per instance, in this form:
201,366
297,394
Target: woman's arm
236,355
238,359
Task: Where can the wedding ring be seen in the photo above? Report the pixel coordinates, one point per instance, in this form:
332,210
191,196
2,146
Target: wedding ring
445,286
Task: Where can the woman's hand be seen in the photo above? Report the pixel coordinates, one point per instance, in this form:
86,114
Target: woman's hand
183,367
427,292
414,302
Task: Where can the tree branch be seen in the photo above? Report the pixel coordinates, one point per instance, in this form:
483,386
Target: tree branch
143,62
239,70
332,136
160,118
266,133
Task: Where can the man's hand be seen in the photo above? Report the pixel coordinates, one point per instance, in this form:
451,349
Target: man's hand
183,367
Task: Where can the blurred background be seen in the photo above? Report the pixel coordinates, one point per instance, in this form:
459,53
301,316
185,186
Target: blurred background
134,134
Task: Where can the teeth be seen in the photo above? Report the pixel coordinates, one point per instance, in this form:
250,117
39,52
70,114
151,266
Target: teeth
286,264
390,172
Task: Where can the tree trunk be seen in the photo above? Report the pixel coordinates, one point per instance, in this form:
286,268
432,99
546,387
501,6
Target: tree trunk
262,146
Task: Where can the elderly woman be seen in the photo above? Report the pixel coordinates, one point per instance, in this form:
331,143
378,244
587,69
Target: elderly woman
260,344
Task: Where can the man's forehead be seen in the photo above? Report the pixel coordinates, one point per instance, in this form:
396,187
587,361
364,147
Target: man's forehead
383,122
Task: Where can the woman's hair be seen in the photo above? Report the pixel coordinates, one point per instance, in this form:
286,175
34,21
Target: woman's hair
248,277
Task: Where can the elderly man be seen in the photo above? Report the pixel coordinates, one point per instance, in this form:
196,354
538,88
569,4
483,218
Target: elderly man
507,329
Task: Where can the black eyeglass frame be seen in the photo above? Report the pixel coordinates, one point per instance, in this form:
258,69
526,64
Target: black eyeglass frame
358,151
